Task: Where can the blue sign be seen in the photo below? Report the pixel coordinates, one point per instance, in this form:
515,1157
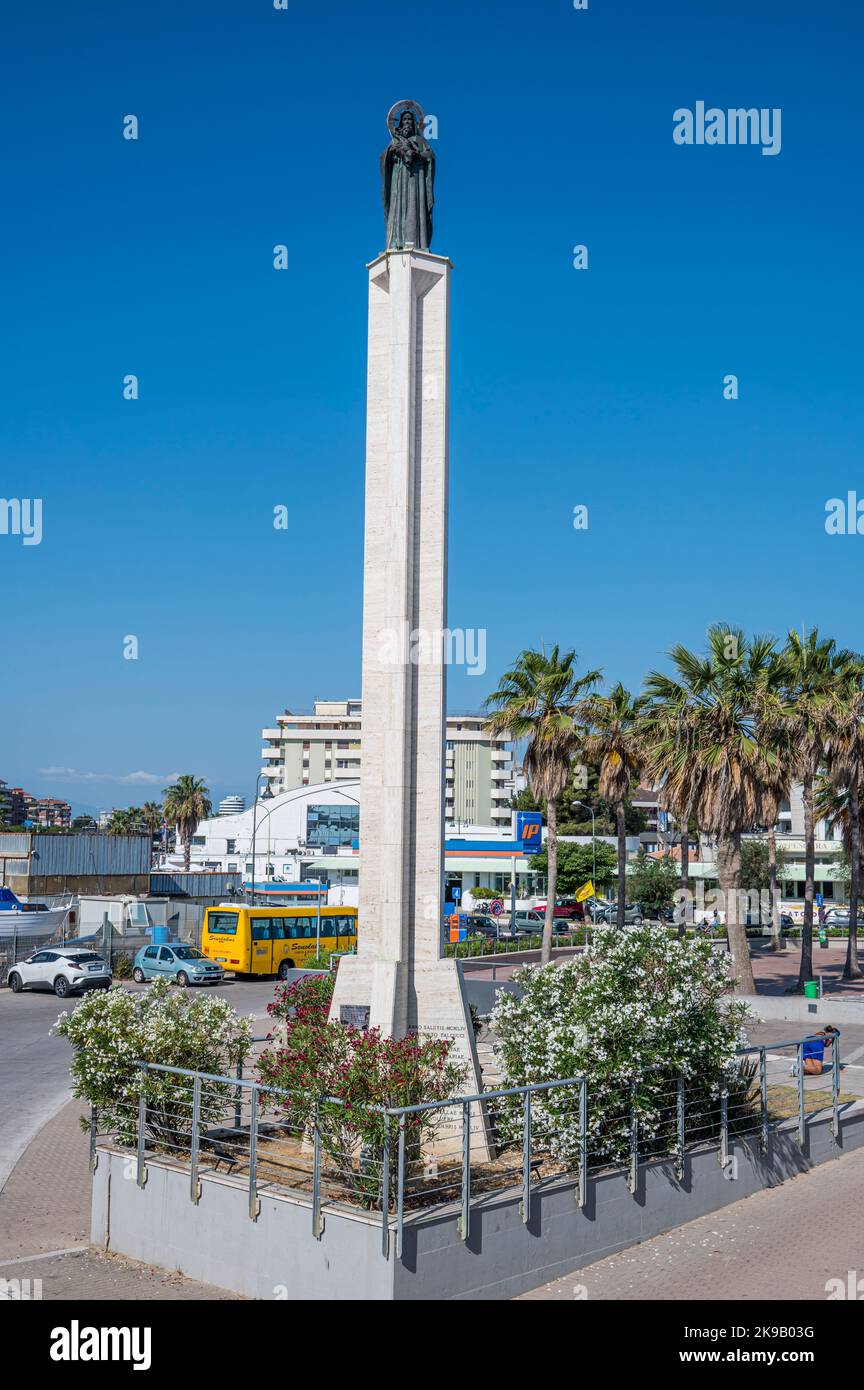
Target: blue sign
819,900
456,894
529,832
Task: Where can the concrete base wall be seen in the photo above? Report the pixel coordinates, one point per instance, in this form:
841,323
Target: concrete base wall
278,1257
275,1257
797,1009
503,1257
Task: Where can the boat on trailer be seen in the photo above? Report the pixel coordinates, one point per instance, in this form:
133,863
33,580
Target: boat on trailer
34,917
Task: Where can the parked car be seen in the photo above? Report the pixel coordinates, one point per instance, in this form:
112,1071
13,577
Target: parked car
479,925
527,922
839,916
185,965
566,908
65,969
633,914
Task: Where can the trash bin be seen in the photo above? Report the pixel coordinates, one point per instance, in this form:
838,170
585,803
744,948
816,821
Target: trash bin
160,934
811,989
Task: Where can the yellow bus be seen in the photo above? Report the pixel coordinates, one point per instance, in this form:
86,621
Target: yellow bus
271,940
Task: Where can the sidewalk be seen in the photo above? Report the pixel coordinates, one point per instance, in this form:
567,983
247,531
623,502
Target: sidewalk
45,1227
777,971
781,1244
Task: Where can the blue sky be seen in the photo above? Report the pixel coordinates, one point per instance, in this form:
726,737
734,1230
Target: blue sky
601,387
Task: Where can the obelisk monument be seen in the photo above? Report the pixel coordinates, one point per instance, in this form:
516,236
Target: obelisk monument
398,974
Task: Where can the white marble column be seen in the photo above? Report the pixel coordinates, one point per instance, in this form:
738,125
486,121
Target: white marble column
398,972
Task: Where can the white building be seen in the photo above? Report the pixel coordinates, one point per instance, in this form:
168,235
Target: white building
312,833
232,805
325,747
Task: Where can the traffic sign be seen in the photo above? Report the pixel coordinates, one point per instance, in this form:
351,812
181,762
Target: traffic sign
496,907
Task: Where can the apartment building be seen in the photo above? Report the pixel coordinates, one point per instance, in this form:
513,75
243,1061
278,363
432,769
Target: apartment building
17,806
326,746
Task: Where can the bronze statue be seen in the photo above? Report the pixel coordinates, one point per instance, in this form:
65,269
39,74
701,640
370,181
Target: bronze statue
408,174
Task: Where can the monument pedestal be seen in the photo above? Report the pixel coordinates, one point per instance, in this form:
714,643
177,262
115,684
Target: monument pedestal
398,973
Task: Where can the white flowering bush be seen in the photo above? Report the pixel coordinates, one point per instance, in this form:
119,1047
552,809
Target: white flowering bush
112,1030
634,1011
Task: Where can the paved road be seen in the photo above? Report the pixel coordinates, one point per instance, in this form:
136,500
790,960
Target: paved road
34,1065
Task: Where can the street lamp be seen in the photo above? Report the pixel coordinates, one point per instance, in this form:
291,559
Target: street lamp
590,811
266,795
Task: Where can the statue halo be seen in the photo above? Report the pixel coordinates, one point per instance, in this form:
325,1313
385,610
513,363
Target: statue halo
395,112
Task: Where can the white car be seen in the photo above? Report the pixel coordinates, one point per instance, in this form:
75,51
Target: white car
65,969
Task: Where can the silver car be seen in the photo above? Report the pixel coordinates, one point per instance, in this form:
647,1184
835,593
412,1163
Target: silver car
633,915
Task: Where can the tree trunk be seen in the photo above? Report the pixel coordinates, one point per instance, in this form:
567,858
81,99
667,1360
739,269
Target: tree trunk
776,929
727,853
685,879
621,821
852,970
551,880
805,971
187,851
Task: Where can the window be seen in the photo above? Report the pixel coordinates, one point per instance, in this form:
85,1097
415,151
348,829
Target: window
199,839
222,923
260,928
300,926
231,847
332,826
151,953
165,954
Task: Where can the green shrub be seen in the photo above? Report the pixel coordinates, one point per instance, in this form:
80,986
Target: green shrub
112,1030
343,1079
121,966
638,1006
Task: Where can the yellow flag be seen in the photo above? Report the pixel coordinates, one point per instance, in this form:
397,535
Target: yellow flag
586,891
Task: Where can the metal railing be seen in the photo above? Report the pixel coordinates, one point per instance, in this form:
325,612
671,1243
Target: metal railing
459,1151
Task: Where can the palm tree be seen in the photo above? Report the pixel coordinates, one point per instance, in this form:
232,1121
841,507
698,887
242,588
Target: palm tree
831,804
187,803
124,822
666,731
845,776
614,741
776,774
152,816
775,789
703,723
538,700
815,670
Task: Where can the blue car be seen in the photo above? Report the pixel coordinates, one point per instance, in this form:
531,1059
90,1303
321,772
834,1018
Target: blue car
185,965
